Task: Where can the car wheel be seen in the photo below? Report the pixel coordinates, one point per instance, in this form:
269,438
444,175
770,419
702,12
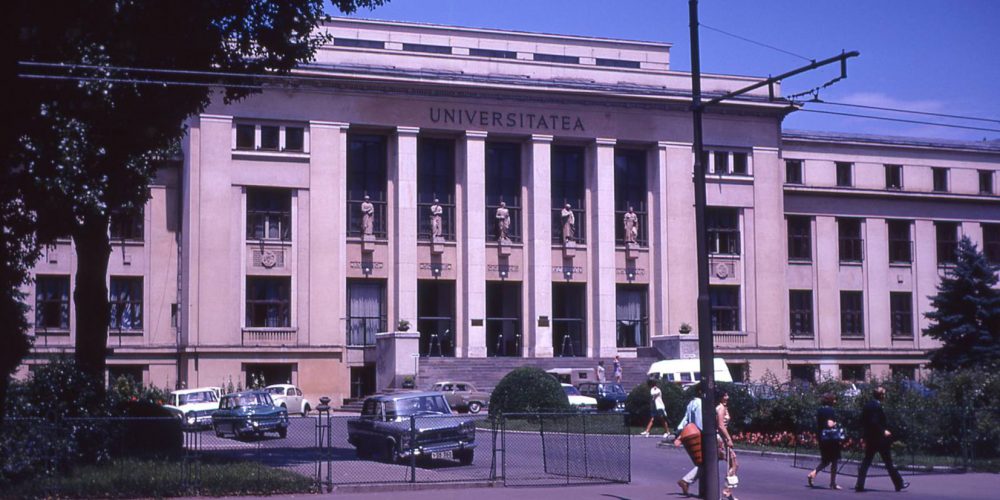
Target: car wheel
218,431
282,432
305,410
475,407
464,457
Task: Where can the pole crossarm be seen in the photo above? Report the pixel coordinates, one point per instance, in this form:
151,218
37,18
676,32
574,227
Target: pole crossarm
841,58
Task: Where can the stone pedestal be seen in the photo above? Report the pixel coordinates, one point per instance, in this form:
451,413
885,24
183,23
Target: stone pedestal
569,249
677,346
368,243
437,245
503,246
631,251
396,357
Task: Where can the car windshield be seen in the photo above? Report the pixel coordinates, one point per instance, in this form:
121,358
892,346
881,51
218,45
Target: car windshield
612,389
280,391
422,405
255,399
570,390
197,397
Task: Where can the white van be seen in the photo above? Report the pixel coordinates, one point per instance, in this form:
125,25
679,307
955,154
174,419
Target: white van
686,371
573,376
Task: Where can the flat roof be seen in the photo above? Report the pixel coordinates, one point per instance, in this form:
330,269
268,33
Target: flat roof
888,140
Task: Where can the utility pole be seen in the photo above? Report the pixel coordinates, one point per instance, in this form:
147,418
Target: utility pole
708,487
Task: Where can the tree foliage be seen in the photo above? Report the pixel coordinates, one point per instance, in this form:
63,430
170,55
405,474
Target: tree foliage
966,314
101,111
528,390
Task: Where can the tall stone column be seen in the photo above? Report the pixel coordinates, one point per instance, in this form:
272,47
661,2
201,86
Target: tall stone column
657,231
602,249
472,242
538,244
403,230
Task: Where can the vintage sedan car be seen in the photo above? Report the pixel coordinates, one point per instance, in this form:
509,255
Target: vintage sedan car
384,429
248,413
610,396
194,406
289,397
463,396
579,401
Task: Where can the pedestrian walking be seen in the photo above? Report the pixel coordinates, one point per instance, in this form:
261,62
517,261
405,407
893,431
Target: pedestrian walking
830,435
692,415
878,439
600,372
657,410
726,451
616,370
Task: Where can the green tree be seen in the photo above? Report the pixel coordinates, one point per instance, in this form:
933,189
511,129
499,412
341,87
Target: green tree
100,114
966,314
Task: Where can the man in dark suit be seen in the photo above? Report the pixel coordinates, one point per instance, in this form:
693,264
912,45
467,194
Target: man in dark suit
878,439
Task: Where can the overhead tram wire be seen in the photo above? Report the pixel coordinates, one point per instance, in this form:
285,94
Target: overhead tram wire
762,44
903,120
899,110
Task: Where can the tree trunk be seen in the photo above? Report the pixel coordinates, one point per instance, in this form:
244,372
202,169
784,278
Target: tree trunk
93,249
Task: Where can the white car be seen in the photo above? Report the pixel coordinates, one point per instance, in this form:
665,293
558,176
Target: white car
577,400
290,398
194,406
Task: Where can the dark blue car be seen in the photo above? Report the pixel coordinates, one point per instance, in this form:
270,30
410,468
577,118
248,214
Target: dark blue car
249,413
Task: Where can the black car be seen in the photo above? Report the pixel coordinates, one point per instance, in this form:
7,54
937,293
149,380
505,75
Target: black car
609,396
243,414
384,429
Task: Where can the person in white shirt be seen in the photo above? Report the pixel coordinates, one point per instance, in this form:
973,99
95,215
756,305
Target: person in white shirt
657,410
692,414
600,372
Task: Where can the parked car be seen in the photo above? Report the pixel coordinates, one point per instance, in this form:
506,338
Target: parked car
289,397
247,413
463,396
383,429
610,396
194,406
577,400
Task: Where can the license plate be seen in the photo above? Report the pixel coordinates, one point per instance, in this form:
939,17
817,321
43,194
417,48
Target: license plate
441,455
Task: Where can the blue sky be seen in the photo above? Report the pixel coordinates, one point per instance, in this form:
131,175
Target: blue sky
940,56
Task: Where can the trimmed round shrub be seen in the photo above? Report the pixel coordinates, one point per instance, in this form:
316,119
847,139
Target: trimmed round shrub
528,390
638,402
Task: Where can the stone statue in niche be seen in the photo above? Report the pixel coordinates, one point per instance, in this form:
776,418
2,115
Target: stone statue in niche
503,223
367,217
436,212
631,226
568,224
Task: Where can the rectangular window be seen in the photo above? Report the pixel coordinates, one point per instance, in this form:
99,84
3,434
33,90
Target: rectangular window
630,194
985,182
569,319
367,312
901,314
128,226
269,137
940,179
991,242
503,185
800,307
568,189
125,299
799,238
631,316
853,373
503,318
557,58
269,300
845,177
740,163
174,315
246,137
724,302
894,177
793,171
254,137
908,372
353,42
852,315
721,166
803,373
900,244
51,302
366,176
618,63
436,317
851,242
502,54
723,227
947,242
430,49
269,214
295,139
435,181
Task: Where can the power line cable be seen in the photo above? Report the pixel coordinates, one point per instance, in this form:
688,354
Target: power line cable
899,110
903,120
703,25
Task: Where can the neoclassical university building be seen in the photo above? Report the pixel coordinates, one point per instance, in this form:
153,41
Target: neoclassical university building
523,195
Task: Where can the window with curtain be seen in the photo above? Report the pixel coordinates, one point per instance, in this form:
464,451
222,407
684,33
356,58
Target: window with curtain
269,214
631,316
269,301
52,302
125,299
366,311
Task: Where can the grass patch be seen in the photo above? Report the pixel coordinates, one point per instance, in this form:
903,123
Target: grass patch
147,478
591,423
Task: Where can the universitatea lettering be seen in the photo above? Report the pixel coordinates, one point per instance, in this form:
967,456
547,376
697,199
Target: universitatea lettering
496,119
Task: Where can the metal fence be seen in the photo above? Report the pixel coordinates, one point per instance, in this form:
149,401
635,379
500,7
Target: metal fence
157,457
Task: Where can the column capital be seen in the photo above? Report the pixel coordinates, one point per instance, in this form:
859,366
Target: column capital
539,138
673,144
407,131
323,124
605,141
215,118
475,134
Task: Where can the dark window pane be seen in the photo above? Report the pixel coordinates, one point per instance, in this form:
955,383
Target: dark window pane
740,163
557,58
852,315
844,174
617,63
127,226
503,319
940,179
125,300
503,184
352,42
851,241
269,137
800,306
269,214
724,302
947,242
268,302
51,302
721,162
991,242
436,180
294,138
245,137
985,182
432,49
893,177
723,227
630,191
436,317
503,54
793,171
568,189
569,319
901,312
900,245
366,175
799,238
631,316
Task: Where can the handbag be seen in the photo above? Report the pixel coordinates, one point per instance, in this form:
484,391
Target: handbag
690,436
832,434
